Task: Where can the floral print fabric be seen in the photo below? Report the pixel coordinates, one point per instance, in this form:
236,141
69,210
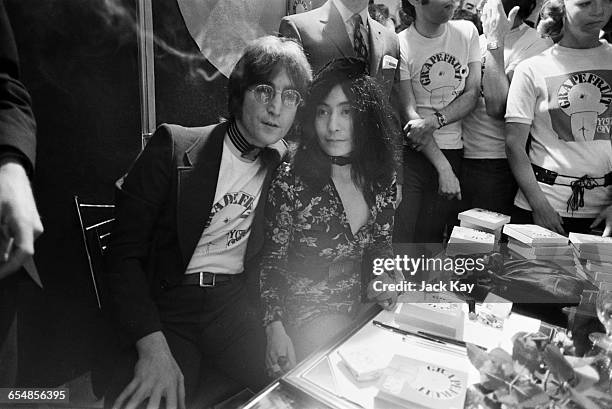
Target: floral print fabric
311,259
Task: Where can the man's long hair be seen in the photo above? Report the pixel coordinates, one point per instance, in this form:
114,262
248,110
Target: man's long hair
262,60
372,156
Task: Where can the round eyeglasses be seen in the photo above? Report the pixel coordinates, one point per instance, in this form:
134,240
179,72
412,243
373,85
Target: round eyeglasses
265,93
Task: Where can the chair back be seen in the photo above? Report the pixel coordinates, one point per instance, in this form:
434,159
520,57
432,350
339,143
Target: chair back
96,222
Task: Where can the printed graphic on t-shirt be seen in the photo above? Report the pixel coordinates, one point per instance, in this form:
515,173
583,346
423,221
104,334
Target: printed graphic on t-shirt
443,76
579,105
226,214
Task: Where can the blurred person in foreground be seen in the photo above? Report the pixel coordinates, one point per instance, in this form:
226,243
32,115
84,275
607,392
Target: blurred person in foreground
19,219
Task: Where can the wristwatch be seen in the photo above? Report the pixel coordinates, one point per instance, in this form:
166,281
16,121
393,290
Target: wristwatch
492,45
441,119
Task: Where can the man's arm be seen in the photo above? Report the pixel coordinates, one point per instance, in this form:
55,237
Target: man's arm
448,184
140,198
495,84
422,129
17,154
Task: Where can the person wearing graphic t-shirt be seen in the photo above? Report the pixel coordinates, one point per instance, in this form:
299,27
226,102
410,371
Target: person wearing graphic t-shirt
486,178
440,79
188,224
562,98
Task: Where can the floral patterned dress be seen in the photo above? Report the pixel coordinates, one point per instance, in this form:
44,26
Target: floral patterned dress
311,259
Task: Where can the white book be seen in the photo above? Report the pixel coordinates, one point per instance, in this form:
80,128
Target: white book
496,232
587,255
534,235
523,248
591,243
599,266
484,218
467,235
365,364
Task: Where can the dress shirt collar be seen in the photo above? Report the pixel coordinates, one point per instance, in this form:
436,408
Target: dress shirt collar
347,15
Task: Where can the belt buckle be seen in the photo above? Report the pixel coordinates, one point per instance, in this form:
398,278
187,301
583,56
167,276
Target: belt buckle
202,280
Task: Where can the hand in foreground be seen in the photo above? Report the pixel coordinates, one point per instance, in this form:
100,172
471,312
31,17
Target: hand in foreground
156,376
606,217
544,215
448,185
420,131
495,23
280,355
379,292
19,217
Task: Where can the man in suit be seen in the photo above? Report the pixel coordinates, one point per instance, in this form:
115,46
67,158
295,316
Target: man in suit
344,28
18,215
188,223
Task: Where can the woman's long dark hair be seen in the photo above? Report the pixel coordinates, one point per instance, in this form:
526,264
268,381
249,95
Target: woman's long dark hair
372,157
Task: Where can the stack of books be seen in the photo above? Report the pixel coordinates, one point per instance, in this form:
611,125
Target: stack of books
597,252
412,383
484,220
464,240
530,241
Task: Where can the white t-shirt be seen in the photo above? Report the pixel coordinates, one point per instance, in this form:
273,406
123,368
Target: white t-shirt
222,246
565,95
437,68
483,135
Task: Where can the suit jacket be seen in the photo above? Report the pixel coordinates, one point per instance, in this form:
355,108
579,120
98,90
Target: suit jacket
323,35
163,204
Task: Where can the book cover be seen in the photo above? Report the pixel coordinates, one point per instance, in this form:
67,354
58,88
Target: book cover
467,235
412,383
534,235
484,218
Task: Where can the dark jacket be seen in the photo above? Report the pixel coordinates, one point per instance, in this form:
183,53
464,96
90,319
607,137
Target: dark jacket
163,204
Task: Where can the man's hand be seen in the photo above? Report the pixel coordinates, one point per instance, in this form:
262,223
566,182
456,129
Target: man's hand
544,215
156,376
448,184
420,131
604,216
495,23
280,355
18,215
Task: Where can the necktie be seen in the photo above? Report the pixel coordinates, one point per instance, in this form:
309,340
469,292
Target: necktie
358,41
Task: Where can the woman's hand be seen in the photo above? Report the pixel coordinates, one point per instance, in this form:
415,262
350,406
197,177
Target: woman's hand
448,184
280,355
379,292
606,217
544,215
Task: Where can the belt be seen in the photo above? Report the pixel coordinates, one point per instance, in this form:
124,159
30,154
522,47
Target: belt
204,279
578,184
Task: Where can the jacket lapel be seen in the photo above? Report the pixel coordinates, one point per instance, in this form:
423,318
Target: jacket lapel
197,183
334,31
376,47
